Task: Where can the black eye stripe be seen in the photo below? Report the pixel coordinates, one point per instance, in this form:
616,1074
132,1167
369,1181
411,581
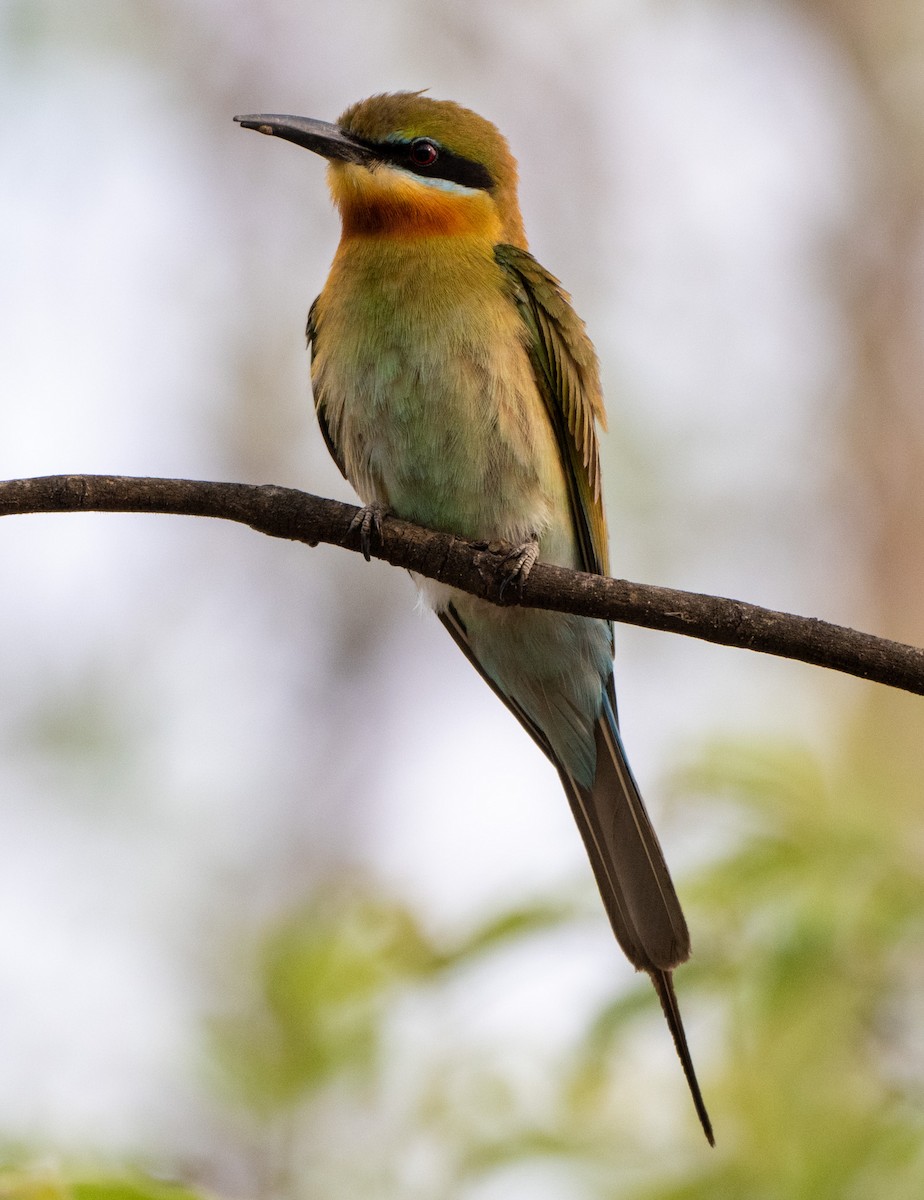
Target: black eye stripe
451,167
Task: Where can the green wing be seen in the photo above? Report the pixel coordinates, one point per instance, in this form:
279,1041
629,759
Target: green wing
566,370
311,337
627,861
565,367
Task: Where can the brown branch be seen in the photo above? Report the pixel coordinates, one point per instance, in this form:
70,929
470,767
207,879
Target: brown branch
479,569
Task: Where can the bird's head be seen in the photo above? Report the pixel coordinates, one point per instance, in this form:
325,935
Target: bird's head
403,165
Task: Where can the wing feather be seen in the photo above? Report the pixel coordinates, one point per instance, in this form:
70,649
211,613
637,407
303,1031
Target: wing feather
566,370
311,337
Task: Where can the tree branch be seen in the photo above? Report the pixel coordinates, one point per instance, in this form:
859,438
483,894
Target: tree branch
479,569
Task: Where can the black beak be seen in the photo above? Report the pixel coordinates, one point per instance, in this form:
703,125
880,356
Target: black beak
320,136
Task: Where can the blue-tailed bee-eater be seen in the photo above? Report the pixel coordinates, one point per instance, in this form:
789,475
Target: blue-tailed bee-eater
456,387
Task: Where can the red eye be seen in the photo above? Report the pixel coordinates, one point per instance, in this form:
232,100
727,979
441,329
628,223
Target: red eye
424,153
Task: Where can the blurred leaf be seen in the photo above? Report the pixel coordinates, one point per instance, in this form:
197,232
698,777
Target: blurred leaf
129,1189
22,1185
39,1185
509,927
324,977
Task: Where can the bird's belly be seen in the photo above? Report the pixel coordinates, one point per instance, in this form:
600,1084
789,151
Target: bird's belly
430,399
467,447
452,436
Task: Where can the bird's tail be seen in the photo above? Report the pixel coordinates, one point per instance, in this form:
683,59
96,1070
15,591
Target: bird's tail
634,881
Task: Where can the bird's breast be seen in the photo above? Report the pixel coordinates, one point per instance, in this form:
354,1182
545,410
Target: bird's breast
426,386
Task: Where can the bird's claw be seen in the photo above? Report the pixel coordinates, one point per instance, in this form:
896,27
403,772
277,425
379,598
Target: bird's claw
517,565
368,525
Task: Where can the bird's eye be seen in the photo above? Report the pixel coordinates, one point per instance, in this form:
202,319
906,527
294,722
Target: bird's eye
423,152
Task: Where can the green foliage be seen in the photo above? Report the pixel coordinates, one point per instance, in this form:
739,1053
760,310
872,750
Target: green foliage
345,1074
815,920
46,1186
324,979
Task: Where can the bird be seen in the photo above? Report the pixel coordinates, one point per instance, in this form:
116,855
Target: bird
456,387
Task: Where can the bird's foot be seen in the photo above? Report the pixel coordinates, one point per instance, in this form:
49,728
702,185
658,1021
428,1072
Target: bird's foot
517,565
368,525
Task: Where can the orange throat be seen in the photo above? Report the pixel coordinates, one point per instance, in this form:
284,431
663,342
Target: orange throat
387,203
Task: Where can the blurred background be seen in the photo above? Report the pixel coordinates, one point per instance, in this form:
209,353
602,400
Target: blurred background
289,906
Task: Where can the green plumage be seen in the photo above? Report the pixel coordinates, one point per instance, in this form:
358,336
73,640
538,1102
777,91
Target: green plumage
566,372
429,395
456,387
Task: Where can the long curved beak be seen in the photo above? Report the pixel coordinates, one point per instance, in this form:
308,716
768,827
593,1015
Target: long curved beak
320,136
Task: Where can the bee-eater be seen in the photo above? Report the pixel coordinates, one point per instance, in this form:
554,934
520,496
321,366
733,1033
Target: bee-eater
456,387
